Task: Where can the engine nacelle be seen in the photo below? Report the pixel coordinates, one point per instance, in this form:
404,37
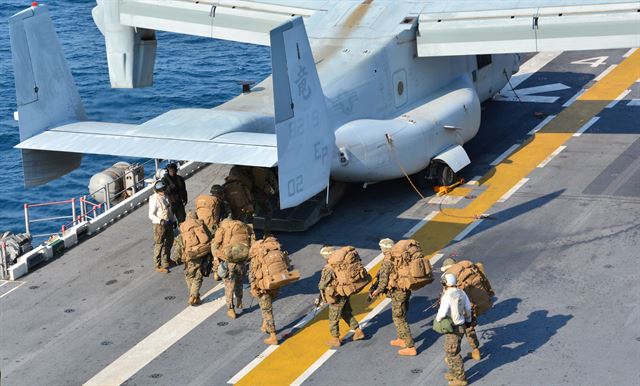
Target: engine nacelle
131,52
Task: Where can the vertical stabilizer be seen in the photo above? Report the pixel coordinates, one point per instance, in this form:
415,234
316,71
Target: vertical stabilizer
304,134
45,92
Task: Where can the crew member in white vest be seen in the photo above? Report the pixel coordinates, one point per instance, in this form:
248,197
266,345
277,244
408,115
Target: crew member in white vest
163,221
454,304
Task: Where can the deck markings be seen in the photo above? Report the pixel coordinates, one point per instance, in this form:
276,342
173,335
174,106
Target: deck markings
17,284
504,155
309,343
586,126
467,230
419,225
514,189
629,53
541,124
252,364
551,156
530,67
315,366
573,98
158,341
617,99
634,102
475,181
605,72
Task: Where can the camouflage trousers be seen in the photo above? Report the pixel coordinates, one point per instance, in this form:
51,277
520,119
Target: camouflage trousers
162,242
265,300
399,309
193,276
341,309
452,358
472,337
233,283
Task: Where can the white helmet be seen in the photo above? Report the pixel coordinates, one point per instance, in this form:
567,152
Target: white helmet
450,279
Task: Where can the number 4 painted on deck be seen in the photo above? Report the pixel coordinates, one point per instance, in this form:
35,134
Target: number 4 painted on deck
594,62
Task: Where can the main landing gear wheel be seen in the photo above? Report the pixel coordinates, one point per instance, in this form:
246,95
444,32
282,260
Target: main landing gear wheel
445,176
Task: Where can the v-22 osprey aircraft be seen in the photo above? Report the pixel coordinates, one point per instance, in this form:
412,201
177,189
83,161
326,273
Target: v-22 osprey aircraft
361,91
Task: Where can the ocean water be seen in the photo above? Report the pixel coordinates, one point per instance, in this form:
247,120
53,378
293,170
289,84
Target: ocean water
189,72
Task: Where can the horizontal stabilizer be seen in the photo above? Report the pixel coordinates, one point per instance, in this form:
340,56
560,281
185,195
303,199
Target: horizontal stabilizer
235,148
534,29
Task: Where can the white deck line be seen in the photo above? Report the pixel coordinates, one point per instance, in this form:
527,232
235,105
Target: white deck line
504,155
4,282
475,181
434,259
540,125
157,342
251,365
514,189
530,67
618,99
315,366
551,156
634,102
573,98
421,223
605,72
12,289
586,126
628,53
467,230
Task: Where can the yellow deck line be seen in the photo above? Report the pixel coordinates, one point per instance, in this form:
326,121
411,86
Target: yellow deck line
301,350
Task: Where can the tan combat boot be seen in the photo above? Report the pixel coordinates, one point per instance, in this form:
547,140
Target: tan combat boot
334,342
190,301
397,343
475,354
263,328
197,301
449,376
357,335
272,339
408,352
239,306
458,382
162,270
231,313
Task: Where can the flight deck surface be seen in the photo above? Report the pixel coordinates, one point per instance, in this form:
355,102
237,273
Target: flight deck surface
558,246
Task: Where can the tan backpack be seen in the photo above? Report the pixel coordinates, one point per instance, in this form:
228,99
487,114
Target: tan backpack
239,198
412,270
242,174
234,237
271,265
474,283
351,275
208,209
195,238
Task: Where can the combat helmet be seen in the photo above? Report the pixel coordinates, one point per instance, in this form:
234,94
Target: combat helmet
385,244
326,251
216,189
448,262
159,186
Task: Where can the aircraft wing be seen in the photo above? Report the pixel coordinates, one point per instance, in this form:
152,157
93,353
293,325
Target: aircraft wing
449,28
236,20
204,135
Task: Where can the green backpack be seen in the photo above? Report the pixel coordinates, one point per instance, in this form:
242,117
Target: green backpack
445,326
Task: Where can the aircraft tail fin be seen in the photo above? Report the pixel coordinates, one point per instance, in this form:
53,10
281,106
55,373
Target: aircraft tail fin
305,136
45,92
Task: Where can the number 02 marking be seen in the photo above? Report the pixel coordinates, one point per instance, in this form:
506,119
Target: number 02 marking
294,186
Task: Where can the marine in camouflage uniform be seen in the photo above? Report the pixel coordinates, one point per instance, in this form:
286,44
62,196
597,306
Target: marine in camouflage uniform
399,302
193,269
470,329
233,285
265,301
339,306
